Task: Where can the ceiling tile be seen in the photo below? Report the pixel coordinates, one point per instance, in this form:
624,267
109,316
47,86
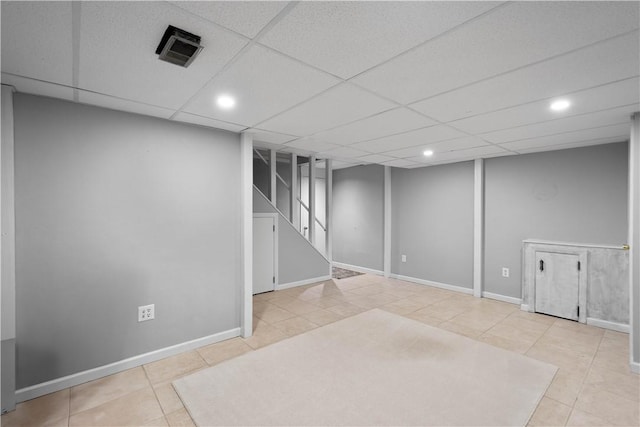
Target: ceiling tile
125,64
270,137
341,164
113,103
36,40
339,105
244,17
298,151
484,156
205,121
346,38
377,126
376,158
620,130
38,87
311,145
471,153
603,63
408,152
458,144
448,145
506,38
344,152
423,136
264,83
574,145
568,124
624,92
402,163
267,145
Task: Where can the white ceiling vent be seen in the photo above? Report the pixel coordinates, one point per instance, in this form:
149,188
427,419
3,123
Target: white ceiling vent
178,46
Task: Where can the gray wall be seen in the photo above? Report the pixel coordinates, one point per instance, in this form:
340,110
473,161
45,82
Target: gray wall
115,211
297,258
577,195
358,216
432,223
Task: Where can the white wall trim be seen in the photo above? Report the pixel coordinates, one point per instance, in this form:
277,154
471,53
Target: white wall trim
478,226
312,201
273,180
387,222
7,249
503,298
582,245
358,268
635,367
633,219
58,384
446,286
294,217
328,214
302,282
246,214
620,327
525,307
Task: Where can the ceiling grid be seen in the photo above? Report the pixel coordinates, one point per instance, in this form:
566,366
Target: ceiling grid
359,82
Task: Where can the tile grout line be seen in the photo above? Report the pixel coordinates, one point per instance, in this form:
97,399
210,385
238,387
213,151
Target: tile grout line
584,379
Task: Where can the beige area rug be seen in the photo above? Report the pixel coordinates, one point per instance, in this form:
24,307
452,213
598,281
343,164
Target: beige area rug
375,368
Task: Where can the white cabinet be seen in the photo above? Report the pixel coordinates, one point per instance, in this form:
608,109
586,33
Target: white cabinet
557,284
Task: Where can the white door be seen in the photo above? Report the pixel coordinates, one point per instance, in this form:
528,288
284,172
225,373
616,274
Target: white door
263,254
557,284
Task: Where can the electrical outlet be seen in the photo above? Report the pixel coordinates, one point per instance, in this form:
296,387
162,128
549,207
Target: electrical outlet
404,258
505,272
146,312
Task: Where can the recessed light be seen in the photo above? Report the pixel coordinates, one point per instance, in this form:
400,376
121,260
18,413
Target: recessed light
560,105
226,102
428,153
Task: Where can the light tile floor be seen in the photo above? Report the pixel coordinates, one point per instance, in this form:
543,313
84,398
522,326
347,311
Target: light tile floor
593,385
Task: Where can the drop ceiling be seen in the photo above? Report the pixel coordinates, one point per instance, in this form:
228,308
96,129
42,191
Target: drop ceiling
358,82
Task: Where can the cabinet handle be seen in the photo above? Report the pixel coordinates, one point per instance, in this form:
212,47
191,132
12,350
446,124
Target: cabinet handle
541,265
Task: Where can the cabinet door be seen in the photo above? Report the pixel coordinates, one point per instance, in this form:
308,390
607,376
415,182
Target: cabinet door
263,254
557,284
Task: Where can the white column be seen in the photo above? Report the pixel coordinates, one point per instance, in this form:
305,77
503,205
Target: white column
293,194
312,200
272,176
478,226
7,255
328,215
387,222
246,206
634,243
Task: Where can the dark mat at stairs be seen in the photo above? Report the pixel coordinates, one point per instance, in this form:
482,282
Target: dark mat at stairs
342,273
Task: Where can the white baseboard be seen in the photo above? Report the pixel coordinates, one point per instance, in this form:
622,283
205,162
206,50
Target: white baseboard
302,282
432,283
503,298
635,367
524,307
58,384
358,268
620,327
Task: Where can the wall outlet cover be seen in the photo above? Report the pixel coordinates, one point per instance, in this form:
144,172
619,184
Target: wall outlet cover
146,312
404,258
505,272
